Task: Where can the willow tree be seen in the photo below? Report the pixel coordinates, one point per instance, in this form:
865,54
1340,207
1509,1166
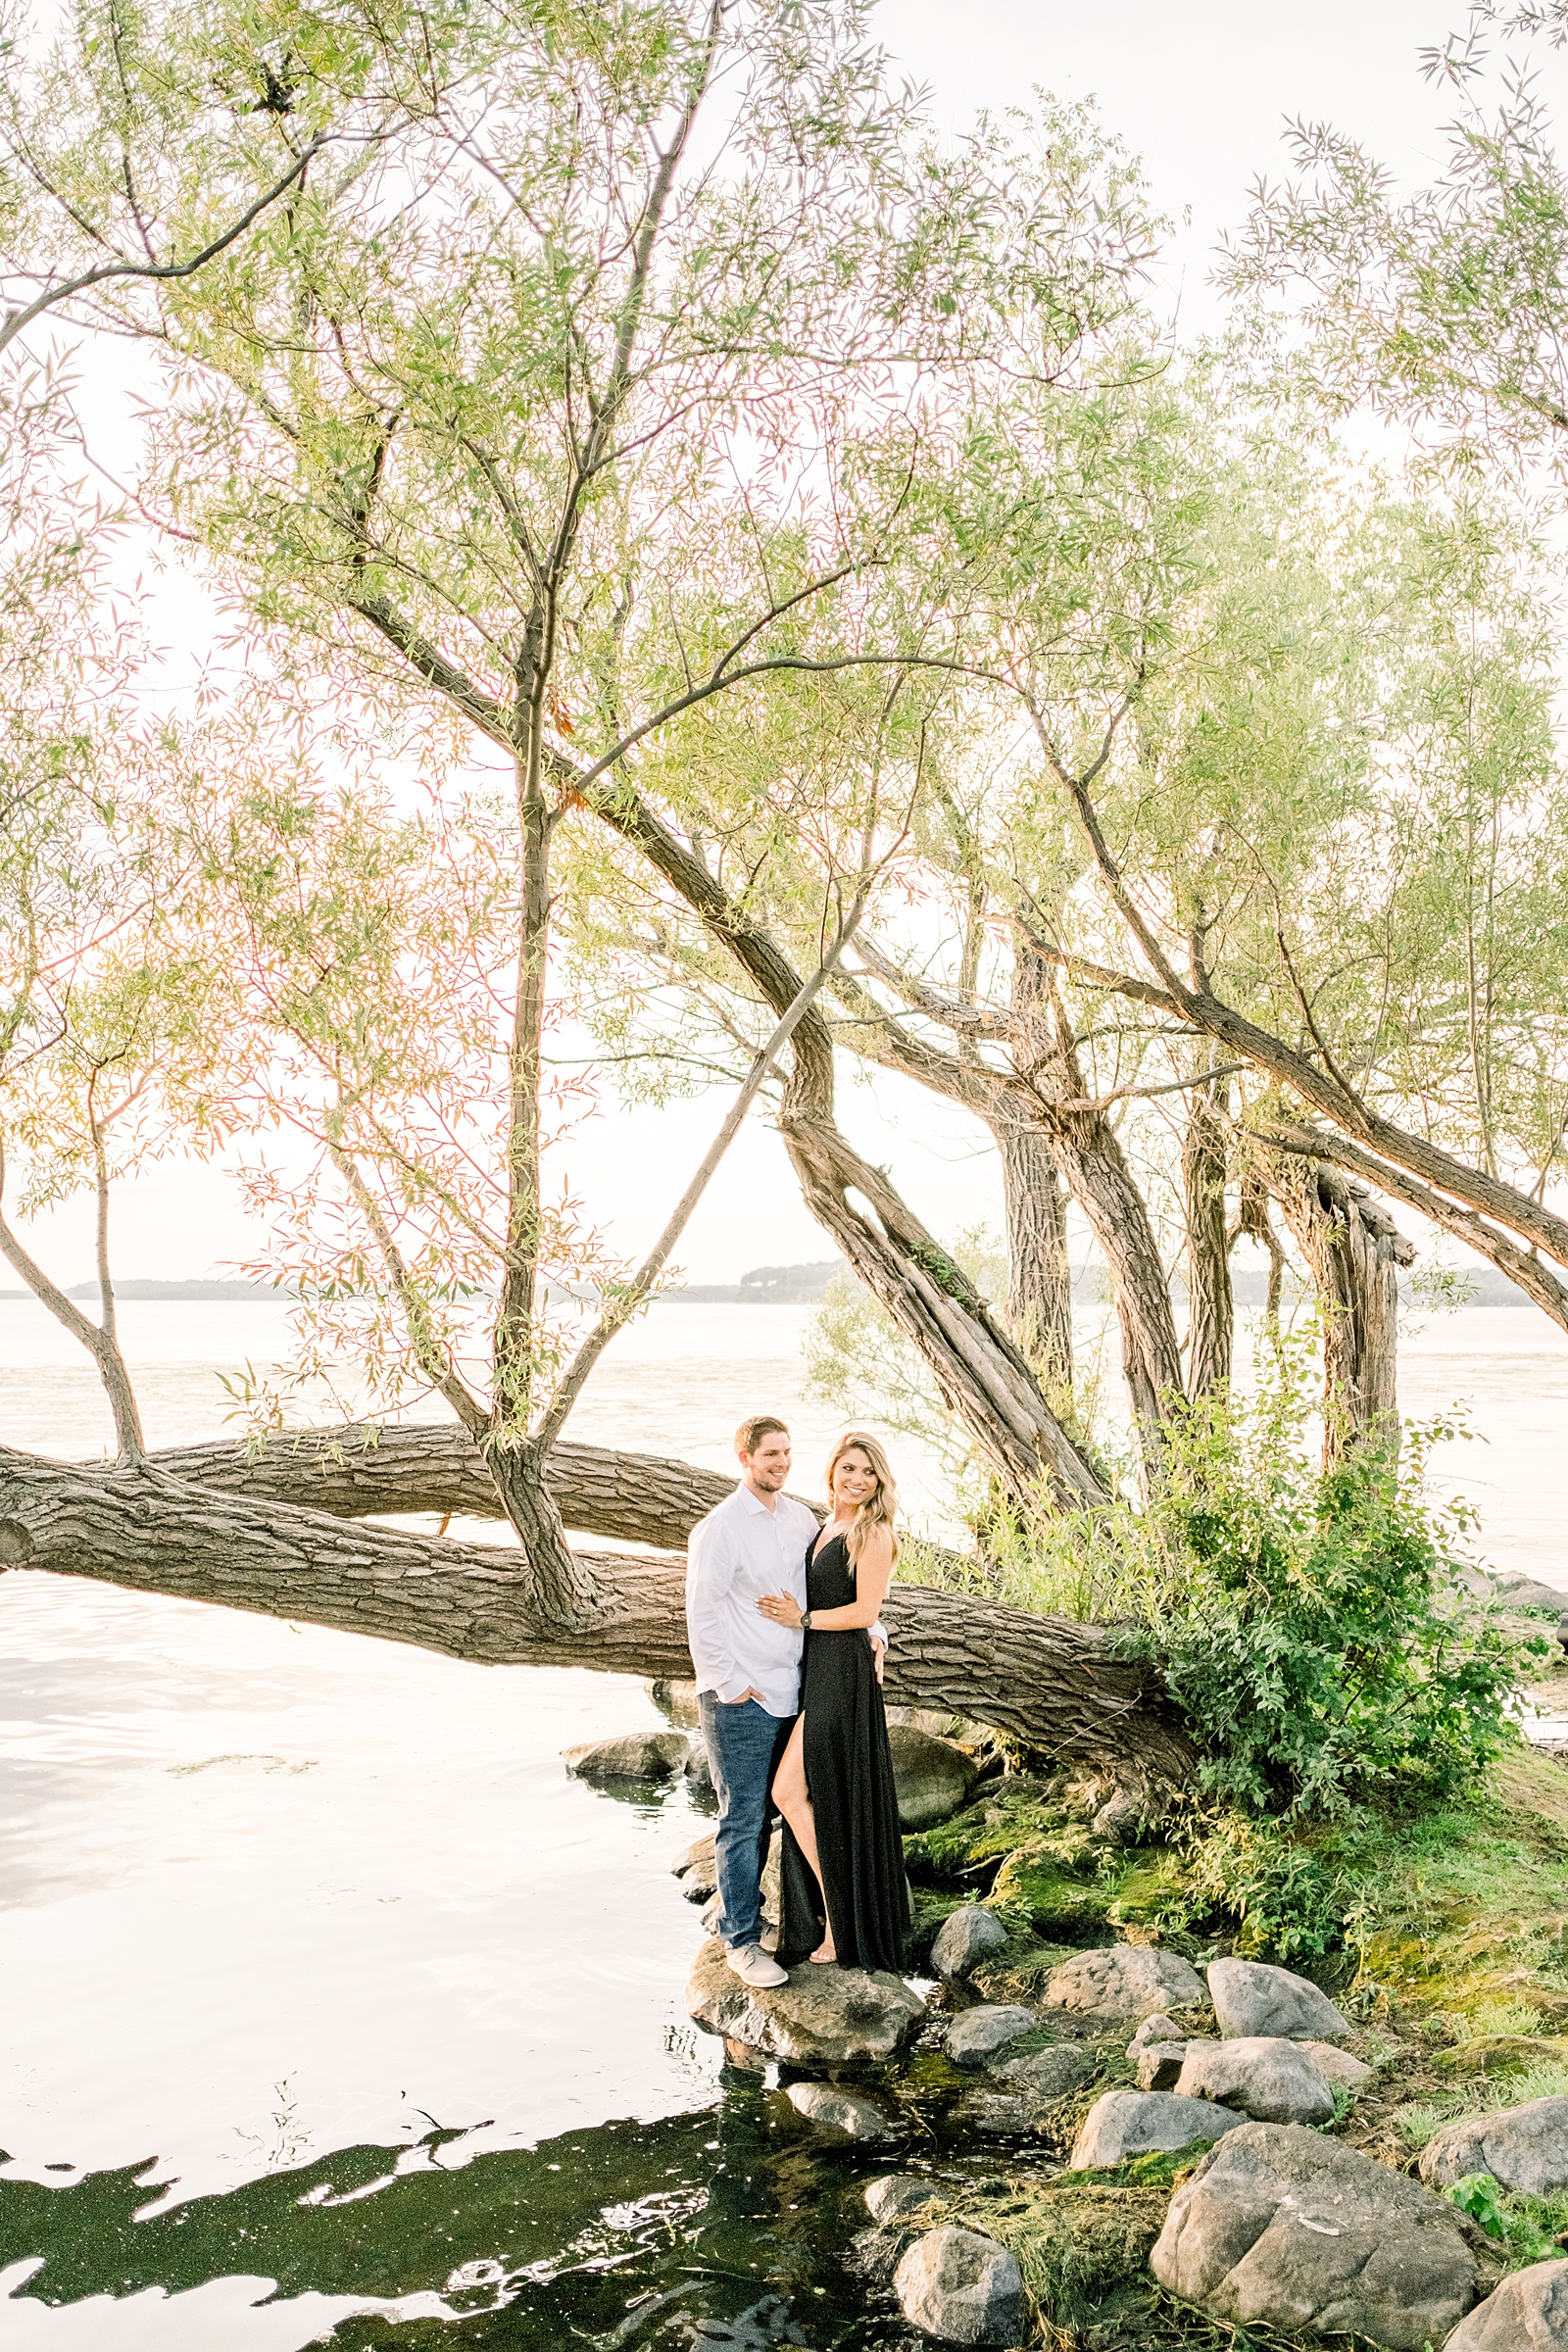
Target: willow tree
1247,809
468,413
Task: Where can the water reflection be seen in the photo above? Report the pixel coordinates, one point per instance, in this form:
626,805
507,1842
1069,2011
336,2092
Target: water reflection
714,2228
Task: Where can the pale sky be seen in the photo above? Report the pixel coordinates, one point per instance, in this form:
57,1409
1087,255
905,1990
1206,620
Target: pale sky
1203,91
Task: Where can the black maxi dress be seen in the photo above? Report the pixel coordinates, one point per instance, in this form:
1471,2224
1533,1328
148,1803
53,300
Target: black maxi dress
848,1777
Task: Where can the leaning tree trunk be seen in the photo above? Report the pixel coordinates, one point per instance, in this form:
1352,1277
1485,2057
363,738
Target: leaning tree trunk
1054,1682
982,1378
1354,1252
1094,1165
1039,1276
1211,1310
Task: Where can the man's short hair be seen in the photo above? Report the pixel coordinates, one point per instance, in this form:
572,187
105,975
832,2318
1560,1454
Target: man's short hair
750,1433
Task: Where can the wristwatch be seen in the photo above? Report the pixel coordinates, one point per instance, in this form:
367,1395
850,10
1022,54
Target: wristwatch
805,1621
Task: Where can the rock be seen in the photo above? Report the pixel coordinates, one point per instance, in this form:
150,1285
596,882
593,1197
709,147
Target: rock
965,1937
1136,2122
639,1757
978,2034
1158,2065
702,1851
840,2111
1043,2075
1528,2312
1153,2029
933,1778
1265,2075
1281,2227
741,2054
1502,2053
828,2016
1250,1999
699,1772
676,1702
1522,2148
999,2110
1521,1592
960,2287
1122,1980
1338,2065
897,2195
699,1885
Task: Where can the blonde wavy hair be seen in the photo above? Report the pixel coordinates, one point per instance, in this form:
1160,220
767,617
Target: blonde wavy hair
879,1506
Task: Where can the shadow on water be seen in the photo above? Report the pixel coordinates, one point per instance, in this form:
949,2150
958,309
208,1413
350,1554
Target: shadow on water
721,2229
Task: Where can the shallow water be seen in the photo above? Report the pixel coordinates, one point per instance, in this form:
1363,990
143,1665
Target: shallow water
333,2010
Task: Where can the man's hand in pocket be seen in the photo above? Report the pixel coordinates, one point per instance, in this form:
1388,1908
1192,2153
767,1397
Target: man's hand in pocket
753,1692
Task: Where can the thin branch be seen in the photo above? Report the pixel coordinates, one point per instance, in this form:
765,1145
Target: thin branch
66,290
625,1303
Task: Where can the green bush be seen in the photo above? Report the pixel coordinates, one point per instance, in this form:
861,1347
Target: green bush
1310,1625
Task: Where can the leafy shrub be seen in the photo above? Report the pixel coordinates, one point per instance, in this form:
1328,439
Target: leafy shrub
1311,1625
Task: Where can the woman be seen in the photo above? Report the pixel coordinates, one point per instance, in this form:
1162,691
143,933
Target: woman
844,1894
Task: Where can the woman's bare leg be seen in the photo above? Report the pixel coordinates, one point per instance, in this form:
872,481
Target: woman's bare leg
792,1800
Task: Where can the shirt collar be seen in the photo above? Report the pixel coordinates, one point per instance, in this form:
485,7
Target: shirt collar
754,1504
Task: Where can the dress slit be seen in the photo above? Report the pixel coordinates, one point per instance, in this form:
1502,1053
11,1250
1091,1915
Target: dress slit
849,1779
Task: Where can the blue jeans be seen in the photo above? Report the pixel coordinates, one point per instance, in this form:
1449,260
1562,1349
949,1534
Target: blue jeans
743,1744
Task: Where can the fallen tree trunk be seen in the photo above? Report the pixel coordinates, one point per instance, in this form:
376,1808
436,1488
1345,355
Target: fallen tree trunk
358,1471
1046,1678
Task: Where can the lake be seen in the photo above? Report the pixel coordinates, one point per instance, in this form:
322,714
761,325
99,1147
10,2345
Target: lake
335,2011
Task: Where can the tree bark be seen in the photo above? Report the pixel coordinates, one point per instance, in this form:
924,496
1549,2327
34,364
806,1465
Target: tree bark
1039,1276
1211,1310
1095,1166
1046,1678
357,1471
1354,1252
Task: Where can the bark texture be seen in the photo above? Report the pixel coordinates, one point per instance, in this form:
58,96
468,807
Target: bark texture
1353,1252
1211,1310
1095,1166
357,1471
1039,1277
1046,1678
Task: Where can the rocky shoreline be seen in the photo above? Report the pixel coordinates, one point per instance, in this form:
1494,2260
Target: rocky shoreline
1075,2124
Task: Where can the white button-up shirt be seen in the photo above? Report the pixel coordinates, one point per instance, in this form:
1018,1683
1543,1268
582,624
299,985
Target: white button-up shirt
739,1552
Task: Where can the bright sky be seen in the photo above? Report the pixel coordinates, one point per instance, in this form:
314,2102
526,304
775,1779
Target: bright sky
1203,91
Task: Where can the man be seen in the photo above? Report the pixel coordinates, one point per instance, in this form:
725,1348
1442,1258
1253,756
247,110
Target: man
748,1671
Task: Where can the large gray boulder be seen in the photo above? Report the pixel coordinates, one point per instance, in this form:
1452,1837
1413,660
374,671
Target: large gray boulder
1266,2076
965,1937
960,2287
1140,2122
1528,2313
841,2111
1120,1981
932,1776
977,2034
824,2015
638,1756
1250,1999
1522,2147
1281,2227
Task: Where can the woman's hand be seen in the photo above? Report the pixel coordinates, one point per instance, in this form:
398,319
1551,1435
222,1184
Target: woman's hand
781,1608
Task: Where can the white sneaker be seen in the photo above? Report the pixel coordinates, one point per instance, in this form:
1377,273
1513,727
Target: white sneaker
754,1967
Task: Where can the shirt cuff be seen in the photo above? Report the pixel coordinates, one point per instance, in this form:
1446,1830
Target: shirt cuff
879,1632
